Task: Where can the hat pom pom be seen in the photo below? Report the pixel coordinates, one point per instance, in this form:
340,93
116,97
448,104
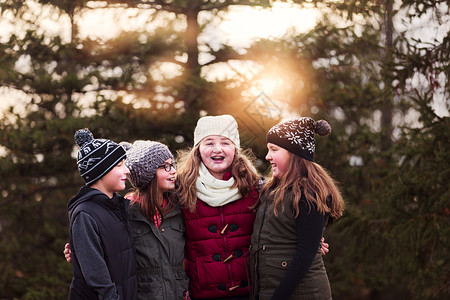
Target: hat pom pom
126,145
322,127
83,136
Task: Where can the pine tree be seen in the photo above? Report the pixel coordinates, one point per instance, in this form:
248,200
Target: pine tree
391,242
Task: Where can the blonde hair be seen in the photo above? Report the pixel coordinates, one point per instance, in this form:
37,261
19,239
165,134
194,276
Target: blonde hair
151,200
242,170
317,185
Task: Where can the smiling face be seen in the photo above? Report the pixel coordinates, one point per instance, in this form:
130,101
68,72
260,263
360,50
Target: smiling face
166,180
217,153
279,159
114,180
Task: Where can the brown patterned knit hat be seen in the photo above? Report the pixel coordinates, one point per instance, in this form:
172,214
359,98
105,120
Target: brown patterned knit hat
297,136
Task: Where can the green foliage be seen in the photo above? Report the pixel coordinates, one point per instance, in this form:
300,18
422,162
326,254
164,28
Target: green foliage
418,194
33,217
393,238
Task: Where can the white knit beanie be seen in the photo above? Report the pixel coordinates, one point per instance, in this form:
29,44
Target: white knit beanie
224,125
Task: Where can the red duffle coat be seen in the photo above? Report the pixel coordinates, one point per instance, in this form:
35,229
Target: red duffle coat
217,242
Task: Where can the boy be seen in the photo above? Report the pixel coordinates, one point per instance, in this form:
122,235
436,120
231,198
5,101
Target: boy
103,257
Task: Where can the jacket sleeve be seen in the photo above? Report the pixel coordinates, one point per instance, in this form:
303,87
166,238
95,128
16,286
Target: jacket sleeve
88,249
309,233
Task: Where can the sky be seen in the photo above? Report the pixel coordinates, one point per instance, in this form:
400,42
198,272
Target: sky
238,27
257,22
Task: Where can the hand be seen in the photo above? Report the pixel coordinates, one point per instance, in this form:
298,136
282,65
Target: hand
324,246
67,253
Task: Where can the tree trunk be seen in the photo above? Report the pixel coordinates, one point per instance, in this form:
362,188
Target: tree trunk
387,109
192,71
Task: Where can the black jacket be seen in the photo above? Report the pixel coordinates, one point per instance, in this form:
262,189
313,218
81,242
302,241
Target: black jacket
103,256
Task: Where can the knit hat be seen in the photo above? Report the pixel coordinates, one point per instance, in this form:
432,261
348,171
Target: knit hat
224,125
96,157
297,136
143,159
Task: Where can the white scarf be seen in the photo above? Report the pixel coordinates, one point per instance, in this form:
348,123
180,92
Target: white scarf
213,191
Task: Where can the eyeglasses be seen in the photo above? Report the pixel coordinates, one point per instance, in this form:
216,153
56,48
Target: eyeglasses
169,167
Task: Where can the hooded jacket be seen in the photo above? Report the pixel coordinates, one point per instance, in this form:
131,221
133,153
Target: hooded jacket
103,257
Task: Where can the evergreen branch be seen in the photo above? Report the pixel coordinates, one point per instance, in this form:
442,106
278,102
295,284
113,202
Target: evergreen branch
228,3
158,5
19,198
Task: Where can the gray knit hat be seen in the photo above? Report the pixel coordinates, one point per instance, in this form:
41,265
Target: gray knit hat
143,159
224,125
297,136
96,157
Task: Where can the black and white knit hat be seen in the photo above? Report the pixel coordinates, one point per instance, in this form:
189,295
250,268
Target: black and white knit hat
143,159
297,136
96,157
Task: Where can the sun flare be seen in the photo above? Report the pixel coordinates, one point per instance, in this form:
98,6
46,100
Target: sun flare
244,24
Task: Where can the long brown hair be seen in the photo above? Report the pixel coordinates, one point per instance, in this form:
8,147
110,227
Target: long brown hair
242,170
151,200
316,183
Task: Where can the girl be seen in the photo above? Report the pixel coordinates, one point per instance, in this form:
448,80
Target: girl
156,222
292,212
218,185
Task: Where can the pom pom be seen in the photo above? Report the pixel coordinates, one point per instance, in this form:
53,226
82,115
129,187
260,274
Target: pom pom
83,136
322,127
125,145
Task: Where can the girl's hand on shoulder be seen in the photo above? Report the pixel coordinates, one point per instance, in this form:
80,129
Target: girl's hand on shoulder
67,252
324,246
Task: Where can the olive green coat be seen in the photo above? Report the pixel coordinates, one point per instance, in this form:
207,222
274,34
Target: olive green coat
273,245
159,255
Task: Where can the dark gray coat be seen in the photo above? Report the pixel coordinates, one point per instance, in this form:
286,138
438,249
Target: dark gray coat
273,245
159,255
103,257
